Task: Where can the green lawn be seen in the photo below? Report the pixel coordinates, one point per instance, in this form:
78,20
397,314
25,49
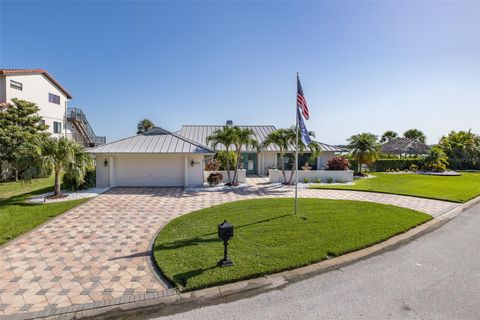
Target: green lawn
269,238
457,189
15,188
18,217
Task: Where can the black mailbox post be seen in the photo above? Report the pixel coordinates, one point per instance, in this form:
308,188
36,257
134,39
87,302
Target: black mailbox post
225,233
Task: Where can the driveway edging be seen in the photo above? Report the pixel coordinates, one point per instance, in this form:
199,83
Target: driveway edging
174,301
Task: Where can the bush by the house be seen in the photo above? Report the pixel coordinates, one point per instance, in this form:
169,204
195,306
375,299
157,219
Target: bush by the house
222,157
214,179
213,165
69,182
338,163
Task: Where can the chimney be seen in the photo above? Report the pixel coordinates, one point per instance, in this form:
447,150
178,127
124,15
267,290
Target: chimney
230,123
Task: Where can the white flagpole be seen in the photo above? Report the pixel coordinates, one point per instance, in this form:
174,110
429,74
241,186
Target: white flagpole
296,155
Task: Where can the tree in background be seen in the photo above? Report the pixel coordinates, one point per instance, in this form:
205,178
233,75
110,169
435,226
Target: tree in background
415,134
222,156
20,125
461,146
244,137
144,125
364,148
226,137
388,136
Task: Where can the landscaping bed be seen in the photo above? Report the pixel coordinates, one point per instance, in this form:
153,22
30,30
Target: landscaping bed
450,188
269,238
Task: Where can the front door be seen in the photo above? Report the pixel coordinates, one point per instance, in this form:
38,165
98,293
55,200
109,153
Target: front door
249,161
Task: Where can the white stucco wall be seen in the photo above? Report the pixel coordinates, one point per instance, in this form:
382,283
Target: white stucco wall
146,170
323,159
36,88
275,176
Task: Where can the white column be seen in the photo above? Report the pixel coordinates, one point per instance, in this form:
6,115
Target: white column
186,169
111,178
275,160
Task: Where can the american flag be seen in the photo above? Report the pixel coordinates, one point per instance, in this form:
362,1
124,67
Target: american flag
301,102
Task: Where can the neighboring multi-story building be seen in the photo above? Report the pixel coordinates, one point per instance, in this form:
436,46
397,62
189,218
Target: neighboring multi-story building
37,85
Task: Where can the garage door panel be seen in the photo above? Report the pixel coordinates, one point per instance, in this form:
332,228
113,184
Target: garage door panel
150,171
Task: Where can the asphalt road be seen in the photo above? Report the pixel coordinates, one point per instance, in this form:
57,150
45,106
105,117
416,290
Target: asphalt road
434,277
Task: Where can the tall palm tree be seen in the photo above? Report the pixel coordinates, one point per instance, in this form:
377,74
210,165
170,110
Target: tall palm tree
144,125
415,134
243,138
364,148
226,137
65,155
388,136
285,139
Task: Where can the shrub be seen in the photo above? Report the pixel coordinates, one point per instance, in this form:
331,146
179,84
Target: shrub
338,163
317,180
213,165
436,160
222,157
305,180
381,165
70,183
329,180
340,181
214,179
413,167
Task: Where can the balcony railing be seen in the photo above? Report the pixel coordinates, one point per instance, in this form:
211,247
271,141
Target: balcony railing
91,139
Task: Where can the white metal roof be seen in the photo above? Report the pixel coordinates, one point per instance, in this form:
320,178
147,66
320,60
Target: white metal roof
157,140
199,134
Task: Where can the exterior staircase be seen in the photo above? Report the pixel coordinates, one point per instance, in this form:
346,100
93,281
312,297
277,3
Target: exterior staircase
81,131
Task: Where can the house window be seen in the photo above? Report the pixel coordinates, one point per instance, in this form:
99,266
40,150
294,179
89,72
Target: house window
16,85
57,127
53,98
42,122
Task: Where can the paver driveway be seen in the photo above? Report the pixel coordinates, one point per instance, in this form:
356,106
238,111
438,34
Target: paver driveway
97,253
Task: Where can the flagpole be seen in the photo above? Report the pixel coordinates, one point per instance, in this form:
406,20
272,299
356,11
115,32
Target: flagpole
296,155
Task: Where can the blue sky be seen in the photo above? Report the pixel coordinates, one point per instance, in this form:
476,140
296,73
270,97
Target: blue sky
364,66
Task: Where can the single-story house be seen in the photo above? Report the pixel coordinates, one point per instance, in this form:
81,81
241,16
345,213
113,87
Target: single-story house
163,158
155,158
259,162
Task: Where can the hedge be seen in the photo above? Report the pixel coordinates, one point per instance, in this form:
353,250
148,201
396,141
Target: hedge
381,165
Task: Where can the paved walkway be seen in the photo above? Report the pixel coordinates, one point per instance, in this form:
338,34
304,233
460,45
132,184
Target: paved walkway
97,253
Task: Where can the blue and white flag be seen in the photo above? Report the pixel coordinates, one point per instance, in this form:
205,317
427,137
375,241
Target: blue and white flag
304,136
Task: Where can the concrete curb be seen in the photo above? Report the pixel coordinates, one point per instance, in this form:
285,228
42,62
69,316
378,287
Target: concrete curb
179,302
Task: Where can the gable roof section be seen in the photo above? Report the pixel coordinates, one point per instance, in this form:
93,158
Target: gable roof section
36,71
155,141
199,134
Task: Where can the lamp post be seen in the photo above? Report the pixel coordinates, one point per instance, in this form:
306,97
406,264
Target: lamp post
225,233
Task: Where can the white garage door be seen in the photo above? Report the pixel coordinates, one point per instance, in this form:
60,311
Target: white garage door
150,171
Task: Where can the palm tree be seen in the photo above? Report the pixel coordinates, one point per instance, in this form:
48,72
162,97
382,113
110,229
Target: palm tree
388,136
227,137
364,148
243,138
65,155
144,125
415,134
284,139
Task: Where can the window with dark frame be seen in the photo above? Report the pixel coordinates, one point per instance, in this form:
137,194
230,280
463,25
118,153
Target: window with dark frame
53,98
16,85
57,127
